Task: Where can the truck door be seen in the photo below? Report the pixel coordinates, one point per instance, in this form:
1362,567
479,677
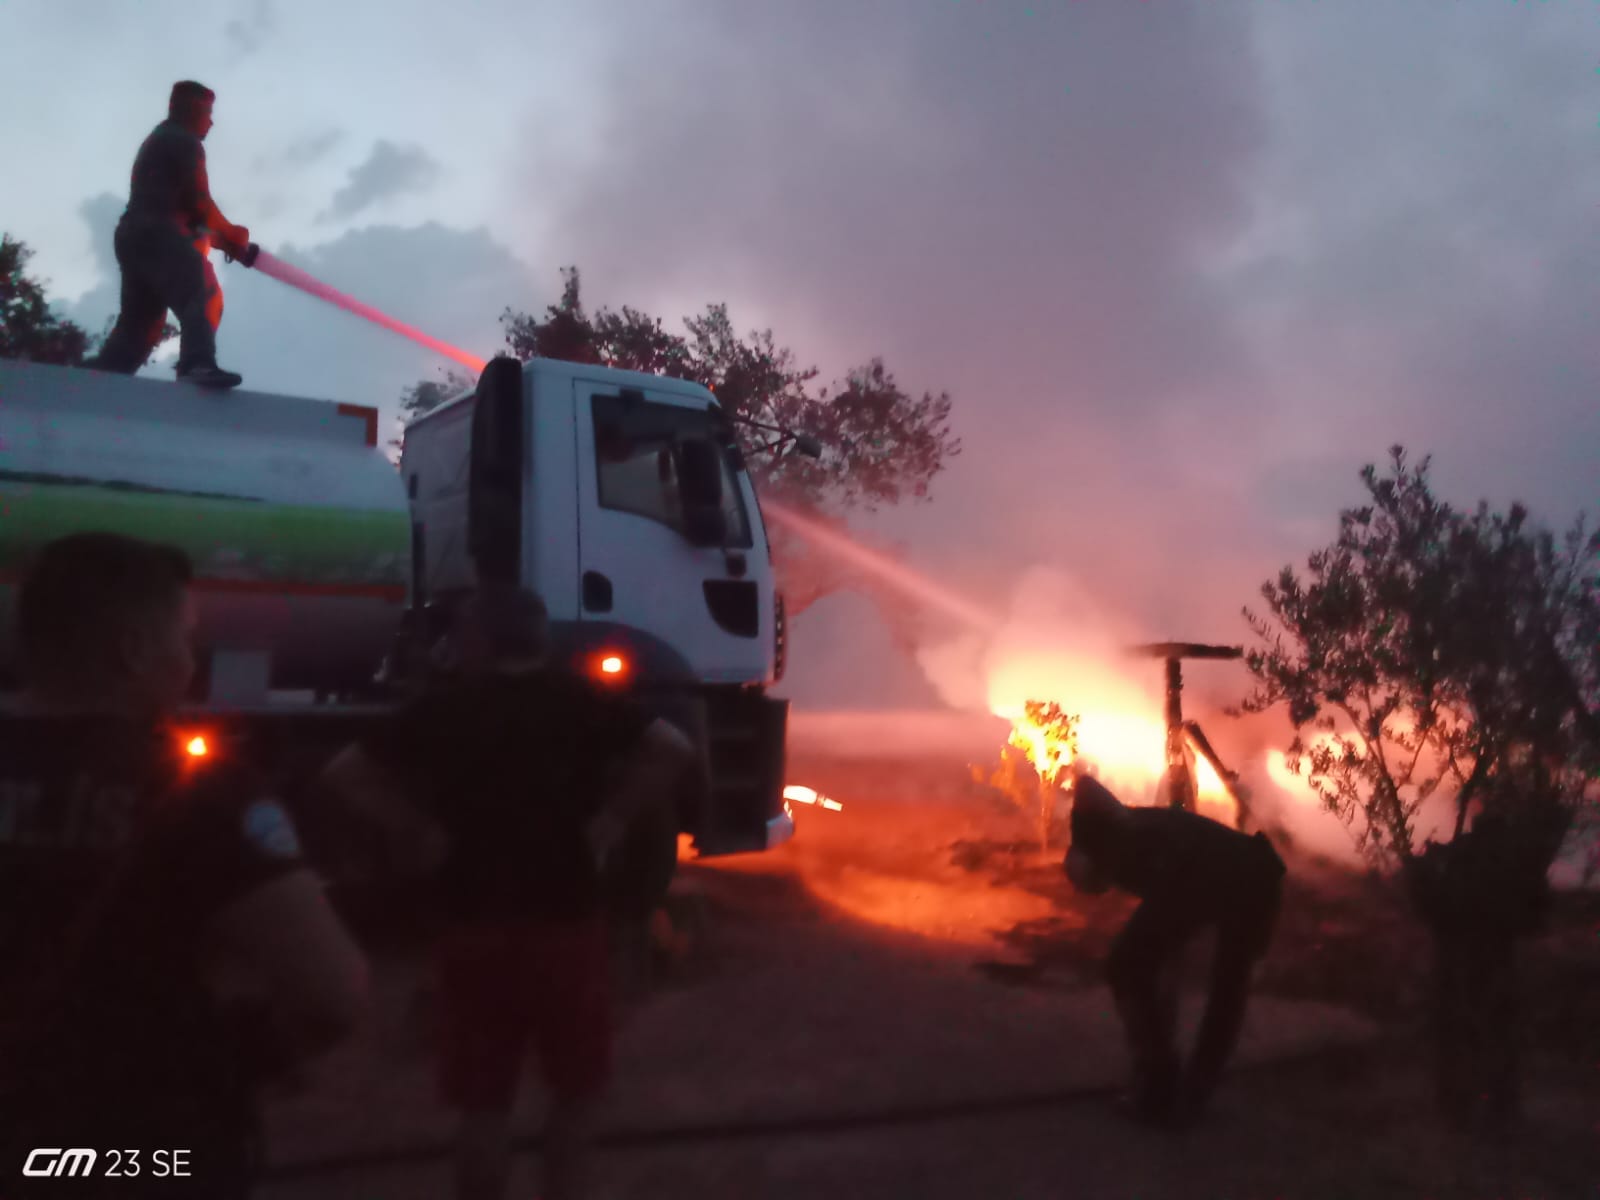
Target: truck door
652,557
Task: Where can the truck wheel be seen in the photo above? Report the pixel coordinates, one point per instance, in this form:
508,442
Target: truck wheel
641,869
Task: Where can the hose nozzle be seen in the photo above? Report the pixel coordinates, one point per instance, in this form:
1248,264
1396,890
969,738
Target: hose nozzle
244,255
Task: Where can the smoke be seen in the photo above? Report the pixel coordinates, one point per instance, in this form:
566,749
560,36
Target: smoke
1061,641
1056,642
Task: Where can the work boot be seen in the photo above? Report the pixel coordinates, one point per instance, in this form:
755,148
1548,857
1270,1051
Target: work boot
210,376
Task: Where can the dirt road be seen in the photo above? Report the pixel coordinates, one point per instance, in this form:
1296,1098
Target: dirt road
849,978
905,1002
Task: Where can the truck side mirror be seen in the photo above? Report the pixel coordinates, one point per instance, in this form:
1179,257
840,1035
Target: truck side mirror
494,490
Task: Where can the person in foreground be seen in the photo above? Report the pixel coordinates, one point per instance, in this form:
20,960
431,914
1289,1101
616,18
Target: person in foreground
519,780
165,954
1189,873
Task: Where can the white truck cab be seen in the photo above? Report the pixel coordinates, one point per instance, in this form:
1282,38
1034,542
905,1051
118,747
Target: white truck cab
623,500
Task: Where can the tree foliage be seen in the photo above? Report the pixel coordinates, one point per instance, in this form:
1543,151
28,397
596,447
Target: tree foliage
28,329
1443,662
880,444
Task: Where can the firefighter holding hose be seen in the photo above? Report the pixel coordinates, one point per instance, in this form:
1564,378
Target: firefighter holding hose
1190,873
162,243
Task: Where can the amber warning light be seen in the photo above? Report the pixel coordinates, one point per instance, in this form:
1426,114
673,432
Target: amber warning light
196,746
610,666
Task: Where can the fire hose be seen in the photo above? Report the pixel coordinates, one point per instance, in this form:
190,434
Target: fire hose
244,255
252,255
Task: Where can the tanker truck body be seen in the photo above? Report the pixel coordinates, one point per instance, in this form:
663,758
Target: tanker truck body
322,572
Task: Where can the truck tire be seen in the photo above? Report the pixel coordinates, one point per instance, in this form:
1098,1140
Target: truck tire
641,869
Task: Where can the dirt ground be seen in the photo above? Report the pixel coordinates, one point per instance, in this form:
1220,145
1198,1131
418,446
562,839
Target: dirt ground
905,1001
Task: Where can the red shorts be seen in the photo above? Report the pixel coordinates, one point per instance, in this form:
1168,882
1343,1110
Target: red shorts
505,986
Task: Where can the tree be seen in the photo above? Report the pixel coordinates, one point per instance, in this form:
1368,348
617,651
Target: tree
1447,664
426,395
28,329
880,444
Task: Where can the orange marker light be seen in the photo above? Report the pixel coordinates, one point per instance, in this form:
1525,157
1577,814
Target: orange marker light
197,747
610,667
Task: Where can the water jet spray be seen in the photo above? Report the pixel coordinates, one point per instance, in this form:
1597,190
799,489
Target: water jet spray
269,264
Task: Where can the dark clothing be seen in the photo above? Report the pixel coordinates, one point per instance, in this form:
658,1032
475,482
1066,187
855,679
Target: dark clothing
1165,853
116,852
496,1003
166,184
163,265
162,269
1191,873
513,768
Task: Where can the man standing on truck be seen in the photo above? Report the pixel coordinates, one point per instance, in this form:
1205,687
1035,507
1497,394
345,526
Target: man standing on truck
162,242
1189,873
533,776
164,949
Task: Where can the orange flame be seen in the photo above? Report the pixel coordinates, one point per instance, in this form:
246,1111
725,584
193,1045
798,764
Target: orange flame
1120,729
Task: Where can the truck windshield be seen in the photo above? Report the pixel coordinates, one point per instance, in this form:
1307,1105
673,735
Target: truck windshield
638,473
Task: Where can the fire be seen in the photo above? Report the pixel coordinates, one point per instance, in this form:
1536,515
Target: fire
1279,771
1047,737
1120,728
800,794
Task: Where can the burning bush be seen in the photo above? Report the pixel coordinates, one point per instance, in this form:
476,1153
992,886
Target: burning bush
1035,761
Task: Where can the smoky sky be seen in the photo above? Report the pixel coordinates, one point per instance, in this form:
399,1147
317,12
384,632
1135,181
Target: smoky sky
252,27
389,170
930,179
302,151
1184,267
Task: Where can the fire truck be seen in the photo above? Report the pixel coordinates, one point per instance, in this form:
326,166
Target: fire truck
322,571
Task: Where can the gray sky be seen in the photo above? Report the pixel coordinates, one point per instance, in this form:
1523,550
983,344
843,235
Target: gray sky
1184,267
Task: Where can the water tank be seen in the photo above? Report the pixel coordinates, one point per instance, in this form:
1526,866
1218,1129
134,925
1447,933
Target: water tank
296,521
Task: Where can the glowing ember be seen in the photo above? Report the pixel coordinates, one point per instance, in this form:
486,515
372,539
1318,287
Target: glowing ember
800,794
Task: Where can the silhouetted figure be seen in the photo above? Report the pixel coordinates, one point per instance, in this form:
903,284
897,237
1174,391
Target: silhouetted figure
1480,894
162,242
1190,873
164,949
521,781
